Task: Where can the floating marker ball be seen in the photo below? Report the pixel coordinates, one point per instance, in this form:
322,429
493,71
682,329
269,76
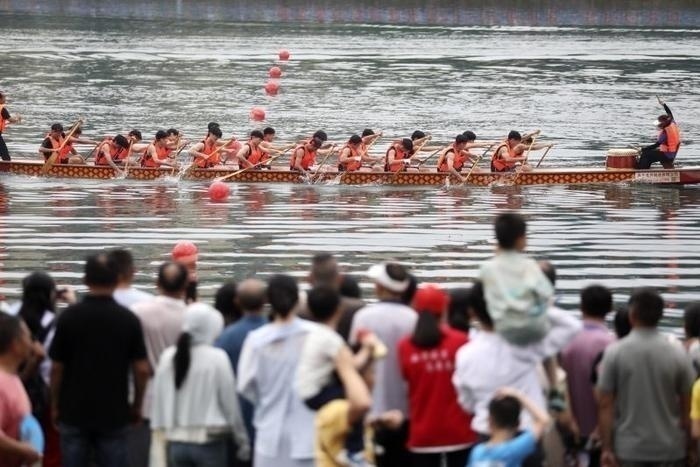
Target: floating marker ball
275,72
257,114
218,191
284,54
271,88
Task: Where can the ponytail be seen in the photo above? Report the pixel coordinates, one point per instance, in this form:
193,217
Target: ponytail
427,333
182,358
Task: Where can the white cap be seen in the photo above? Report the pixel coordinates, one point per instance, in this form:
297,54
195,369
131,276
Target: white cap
379,275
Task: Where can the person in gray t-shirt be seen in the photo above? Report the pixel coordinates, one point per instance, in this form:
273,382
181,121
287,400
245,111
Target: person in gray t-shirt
644,391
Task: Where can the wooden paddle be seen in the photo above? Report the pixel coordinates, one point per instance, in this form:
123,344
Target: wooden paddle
317,175
226,177
478,159
431,156
128,156
543,155
54,155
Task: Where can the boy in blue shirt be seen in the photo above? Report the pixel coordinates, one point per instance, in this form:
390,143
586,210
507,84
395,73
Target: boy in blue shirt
507,446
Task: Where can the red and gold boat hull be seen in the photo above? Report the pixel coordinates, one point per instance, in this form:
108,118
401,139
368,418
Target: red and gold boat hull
560,176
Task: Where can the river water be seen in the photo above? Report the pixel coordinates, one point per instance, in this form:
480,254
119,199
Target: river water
588,88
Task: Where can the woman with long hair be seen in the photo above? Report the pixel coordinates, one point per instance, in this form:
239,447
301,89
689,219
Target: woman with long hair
195,405
427,362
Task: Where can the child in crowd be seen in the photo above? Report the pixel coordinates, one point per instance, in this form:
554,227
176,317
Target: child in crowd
327,370
507,447
516,290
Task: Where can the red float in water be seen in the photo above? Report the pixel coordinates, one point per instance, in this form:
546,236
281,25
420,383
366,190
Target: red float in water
219,191
271,88
284,54
257,114
275,72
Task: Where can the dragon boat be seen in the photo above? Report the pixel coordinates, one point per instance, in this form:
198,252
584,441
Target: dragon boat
428,176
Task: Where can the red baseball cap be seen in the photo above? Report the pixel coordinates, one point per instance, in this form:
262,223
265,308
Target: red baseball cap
431,298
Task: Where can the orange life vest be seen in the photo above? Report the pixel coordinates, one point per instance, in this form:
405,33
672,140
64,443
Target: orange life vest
117,153
62,154
256,154
401,154
307,160
457,162
673,139
3,122
162,154
352,165
497,162
208,148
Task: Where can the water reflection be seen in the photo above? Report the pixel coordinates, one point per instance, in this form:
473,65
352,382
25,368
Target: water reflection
621,236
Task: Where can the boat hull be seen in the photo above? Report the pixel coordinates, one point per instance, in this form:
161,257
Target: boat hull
562,176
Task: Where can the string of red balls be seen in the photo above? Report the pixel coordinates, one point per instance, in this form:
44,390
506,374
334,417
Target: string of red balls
271,87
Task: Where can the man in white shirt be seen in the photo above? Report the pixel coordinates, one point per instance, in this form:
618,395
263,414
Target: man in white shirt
488,362
126,294
390,320
161,320
266,369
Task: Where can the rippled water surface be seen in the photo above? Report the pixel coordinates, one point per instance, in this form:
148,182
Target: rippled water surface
588,89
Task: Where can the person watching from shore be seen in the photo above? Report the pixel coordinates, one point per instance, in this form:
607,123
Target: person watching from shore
15,348
390,320
645,370
504,158
427,359
195,407
326,272
665,149
97,345
489,362
324,354
517,291
579,358
5,119
508,446
125,293
226,301
251,298
266,370
161,319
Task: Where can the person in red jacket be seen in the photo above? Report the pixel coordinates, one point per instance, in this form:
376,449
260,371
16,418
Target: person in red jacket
440,431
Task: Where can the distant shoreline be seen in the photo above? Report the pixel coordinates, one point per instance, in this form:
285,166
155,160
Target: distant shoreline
537,13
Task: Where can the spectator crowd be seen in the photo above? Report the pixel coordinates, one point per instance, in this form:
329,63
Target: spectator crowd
273,376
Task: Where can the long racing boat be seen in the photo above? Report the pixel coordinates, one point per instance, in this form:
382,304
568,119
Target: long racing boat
550,176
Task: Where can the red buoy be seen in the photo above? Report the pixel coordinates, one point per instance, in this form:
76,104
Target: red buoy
257,114
271,88
275,72
284,54
218,191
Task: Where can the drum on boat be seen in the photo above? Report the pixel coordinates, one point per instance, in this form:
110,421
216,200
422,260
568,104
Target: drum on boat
621,159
